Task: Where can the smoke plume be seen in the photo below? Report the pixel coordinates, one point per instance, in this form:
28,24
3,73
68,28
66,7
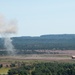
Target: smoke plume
6,29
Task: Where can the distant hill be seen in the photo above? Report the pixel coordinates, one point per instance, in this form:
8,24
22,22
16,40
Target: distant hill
62,41
43,42
59,36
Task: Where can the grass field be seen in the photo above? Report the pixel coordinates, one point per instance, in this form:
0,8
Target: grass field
4,70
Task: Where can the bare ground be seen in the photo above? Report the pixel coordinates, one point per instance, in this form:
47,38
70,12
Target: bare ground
64,55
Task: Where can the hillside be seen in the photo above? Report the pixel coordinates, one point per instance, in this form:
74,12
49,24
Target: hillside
43,42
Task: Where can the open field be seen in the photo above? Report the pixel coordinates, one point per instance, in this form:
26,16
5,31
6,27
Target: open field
4,70
56,55
37,57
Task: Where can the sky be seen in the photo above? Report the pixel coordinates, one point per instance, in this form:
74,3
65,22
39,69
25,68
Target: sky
39,17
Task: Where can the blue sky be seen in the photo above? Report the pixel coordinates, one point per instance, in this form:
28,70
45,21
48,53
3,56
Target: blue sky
38,17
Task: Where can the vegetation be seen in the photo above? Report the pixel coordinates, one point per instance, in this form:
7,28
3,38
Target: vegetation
45,69
4,71
29,45
1,65
45,42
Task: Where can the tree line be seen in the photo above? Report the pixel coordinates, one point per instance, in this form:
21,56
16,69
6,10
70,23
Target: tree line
45,69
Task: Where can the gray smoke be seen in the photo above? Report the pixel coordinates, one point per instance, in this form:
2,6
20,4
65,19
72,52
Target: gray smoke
8,45
6,29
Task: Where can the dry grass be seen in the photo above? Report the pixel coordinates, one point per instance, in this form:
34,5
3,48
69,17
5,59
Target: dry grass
4,70
63,56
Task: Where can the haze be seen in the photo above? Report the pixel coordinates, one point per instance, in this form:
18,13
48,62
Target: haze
38,17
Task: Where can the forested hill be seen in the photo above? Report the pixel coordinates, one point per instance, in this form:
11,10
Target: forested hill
44,42
50,42
59,36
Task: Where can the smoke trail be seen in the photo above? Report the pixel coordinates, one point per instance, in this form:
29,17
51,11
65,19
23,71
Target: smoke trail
6,29
8,45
